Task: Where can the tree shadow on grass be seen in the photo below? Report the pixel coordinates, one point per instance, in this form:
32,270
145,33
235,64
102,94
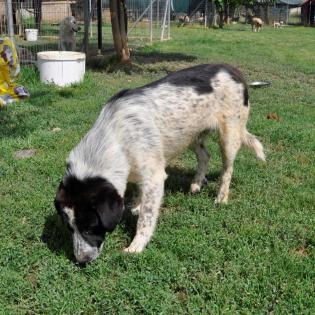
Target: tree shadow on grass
156,57
139,61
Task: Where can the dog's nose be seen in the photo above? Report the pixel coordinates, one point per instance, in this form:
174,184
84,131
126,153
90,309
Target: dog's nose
83,259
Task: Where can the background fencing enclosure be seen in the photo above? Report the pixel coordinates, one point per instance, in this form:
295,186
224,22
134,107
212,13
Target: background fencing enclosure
148,21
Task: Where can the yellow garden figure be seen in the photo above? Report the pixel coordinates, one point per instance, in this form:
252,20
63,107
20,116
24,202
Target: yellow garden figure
9,70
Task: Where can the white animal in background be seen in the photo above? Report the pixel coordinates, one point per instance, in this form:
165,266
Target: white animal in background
277,24
68,29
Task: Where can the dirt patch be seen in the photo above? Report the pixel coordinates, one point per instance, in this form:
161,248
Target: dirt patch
302,251
273,116
23,154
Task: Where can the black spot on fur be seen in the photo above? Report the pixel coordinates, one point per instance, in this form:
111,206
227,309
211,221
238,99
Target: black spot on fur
119,95
198,77
96,203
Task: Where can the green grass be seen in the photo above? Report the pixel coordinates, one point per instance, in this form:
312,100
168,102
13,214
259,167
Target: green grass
255,255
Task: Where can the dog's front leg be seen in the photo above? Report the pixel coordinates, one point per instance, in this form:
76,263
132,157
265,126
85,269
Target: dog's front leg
62,46
73,45
152,194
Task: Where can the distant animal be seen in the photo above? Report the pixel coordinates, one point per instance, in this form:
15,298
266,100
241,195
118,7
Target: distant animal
136,135
277,24
68,29
183,19
200,20
256,23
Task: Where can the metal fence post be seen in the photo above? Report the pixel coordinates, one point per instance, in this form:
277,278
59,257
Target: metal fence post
99,26
151,22
164,19
169,20
8,5
206,14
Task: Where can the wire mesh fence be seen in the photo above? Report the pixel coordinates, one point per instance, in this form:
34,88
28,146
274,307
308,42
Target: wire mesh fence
37,23
204,13
149,20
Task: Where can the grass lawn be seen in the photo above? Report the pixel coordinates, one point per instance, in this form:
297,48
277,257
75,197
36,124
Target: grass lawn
255,255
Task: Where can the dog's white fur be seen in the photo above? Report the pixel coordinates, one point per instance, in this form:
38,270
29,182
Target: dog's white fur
68,29
137,134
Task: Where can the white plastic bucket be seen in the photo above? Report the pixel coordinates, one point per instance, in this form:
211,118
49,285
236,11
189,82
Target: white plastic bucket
61,67
31,34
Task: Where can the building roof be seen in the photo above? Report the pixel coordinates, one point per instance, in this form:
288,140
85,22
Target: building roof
295,3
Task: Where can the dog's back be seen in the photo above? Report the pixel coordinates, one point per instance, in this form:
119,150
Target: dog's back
170,113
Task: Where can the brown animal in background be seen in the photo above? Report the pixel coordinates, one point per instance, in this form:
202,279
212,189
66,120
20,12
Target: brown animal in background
256,23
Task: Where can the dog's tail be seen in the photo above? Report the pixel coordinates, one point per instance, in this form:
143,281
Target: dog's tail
252,142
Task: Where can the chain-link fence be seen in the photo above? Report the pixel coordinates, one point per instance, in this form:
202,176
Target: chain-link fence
204,13
37,23
149,20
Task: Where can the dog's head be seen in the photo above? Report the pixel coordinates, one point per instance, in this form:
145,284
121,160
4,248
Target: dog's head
73,24
90,208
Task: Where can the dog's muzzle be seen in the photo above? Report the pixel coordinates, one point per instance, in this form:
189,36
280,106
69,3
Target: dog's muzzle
83,252
77,29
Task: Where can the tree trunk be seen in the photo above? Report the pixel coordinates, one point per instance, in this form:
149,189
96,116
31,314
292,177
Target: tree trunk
118,14
37,5
266,13
221,18
226,9
87,21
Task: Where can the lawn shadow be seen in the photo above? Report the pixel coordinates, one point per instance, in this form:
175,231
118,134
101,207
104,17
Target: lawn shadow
57,237
156,57
178,180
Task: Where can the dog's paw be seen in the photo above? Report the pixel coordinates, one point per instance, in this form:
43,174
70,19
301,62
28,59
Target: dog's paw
134,247
195,188
133,250
135,210
221,200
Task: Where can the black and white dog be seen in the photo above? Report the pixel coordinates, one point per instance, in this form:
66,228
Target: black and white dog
137,133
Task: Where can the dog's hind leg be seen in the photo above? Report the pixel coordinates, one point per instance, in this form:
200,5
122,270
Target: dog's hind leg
62,46
230,142
152,194
136,204
203,157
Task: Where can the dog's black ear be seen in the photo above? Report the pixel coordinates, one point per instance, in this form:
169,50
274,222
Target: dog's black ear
60,199
110,209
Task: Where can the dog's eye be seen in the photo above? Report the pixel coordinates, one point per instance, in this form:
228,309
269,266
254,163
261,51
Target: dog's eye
88,233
